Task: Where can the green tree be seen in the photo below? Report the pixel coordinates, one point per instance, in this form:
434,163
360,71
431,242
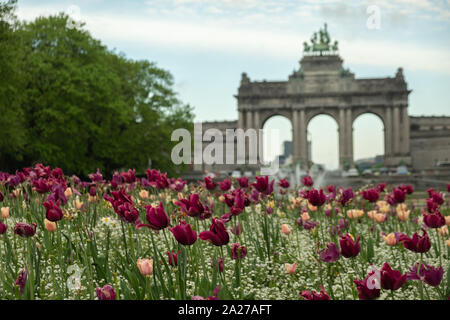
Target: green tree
86,107
12,125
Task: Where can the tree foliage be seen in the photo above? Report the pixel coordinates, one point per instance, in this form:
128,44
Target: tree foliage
75,104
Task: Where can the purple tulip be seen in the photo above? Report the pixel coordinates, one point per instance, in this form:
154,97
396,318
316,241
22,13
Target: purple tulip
349,248
430,275
21,280
238,252
106,293
330,254
25,230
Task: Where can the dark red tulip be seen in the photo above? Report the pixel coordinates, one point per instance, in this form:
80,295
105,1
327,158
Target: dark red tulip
184,234
156,179
129,176
371,195
217,234
225,185
349,248
307,295
307,181
96,177
431,205
127,212
193,207
330,254
284,183
263,186
173,258
53,211
381,187
419,244
448,188
238,252
106,293
391,279
408,189
25,230
157,218
398,195
243,182
209,183
368,289
3,227
430,275
438,198
316,198
92,191
41,186
21,280
434,220
346,196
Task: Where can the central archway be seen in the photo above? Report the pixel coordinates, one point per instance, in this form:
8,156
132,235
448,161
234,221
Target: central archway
323,141
369,142
277,139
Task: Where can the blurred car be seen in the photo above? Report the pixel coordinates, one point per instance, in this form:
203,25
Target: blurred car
236,174
248,174
351,173
402,171
223,174
367,172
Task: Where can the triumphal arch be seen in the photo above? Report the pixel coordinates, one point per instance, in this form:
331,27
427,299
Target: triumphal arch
322,86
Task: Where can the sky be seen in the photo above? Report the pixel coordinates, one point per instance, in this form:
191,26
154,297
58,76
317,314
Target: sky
207,44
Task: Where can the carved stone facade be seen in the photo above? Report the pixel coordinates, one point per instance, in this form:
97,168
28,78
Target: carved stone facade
322,86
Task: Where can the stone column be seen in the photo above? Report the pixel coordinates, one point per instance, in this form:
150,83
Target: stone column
405,131
241,119
349,136
396,131
249,120
303,140
295,136
388,133
256,126
342,146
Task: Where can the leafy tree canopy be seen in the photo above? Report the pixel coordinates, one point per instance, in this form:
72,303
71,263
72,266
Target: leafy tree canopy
71,102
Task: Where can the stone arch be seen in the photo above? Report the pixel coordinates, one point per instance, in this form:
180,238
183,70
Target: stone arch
330,113
265,115
380,113
333,113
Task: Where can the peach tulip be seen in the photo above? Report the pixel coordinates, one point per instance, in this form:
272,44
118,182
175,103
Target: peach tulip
145,266
5,212
285,229
290,268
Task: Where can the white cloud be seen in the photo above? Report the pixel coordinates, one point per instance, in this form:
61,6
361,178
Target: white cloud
227,36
